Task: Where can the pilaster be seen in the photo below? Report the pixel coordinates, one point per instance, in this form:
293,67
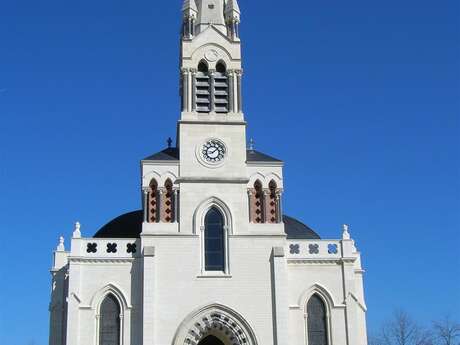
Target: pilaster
149,295
280,296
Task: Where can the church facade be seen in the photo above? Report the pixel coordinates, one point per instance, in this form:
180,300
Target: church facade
210,259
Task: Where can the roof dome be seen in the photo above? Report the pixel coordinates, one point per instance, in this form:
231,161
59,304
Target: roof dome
129,225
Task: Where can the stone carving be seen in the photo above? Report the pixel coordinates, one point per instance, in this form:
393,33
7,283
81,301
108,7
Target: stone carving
313,249
91,248
332,249
211,55
294,249
111,247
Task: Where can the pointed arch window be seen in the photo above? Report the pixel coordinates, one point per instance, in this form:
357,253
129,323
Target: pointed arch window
167,203
257,203
221,99
110,322
203,88
272,203
317,321
214,241
153,204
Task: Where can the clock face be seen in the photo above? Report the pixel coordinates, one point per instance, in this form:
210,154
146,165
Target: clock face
213,151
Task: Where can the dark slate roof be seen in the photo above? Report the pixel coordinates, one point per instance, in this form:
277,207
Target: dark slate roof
256,156
172,154
169,154
129,225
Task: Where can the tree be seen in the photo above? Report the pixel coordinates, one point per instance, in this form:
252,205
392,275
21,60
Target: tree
403,330
446,331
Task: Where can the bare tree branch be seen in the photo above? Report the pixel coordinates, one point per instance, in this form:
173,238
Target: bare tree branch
446,331
403,330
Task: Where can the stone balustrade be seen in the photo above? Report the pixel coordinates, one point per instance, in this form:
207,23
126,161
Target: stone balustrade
106,248
316,250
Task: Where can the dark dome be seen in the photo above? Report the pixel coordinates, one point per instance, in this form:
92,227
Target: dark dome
129,225
296,230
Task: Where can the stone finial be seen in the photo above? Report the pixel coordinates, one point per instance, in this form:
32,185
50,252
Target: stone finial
169,142
61,247
77,232
346,233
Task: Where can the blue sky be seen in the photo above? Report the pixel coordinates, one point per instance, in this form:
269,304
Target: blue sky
360,98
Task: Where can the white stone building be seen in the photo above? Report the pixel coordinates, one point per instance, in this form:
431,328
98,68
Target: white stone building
210,259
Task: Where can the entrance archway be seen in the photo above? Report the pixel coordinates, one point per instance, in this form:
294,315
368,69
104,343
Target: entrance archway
211,340
214,325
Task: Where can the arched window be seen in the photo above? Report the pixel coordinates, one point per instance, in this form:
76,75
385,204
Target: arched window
153,202
317,321
257,206
272,208
221,89
203,89
109,326
214,241
167,203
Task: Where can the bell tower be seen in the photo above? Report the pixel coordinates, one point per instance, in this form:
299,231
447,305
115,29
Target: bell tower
211,130
211,60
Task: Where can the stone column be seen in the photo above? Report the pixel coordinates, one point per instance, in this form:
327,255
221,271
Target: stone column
239,92
231,91
280,296
176,205
250,196
146,204
212,105
279,214
266,206
149,290
160,205
193,100
185,89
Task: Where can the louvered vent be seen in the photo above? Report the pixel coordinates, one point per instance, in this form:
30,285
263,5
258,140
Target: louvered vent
220,89
203,89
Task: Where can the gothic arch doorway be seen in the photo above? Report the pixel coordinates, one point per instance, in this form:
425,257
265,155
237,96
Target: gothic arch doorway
214,325
211,340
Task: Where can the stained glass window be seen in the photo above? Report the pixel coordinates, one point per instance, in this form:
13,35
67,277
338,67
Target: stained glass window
109,329
317,322
214,241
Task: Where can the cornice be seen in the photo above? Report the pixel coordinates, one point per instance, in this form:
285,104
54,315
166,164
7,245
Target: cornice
319,261
212,180
100,260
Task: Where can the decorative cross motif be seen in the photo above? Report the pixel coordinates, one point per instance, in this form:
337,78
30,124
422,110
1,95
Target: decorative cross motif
111,247
131,248
332,249
91,248
294,249
313,248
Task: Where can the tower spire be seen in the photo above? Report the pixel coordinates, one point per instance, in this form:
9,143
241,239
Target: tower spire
211,12
190,12
232,18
